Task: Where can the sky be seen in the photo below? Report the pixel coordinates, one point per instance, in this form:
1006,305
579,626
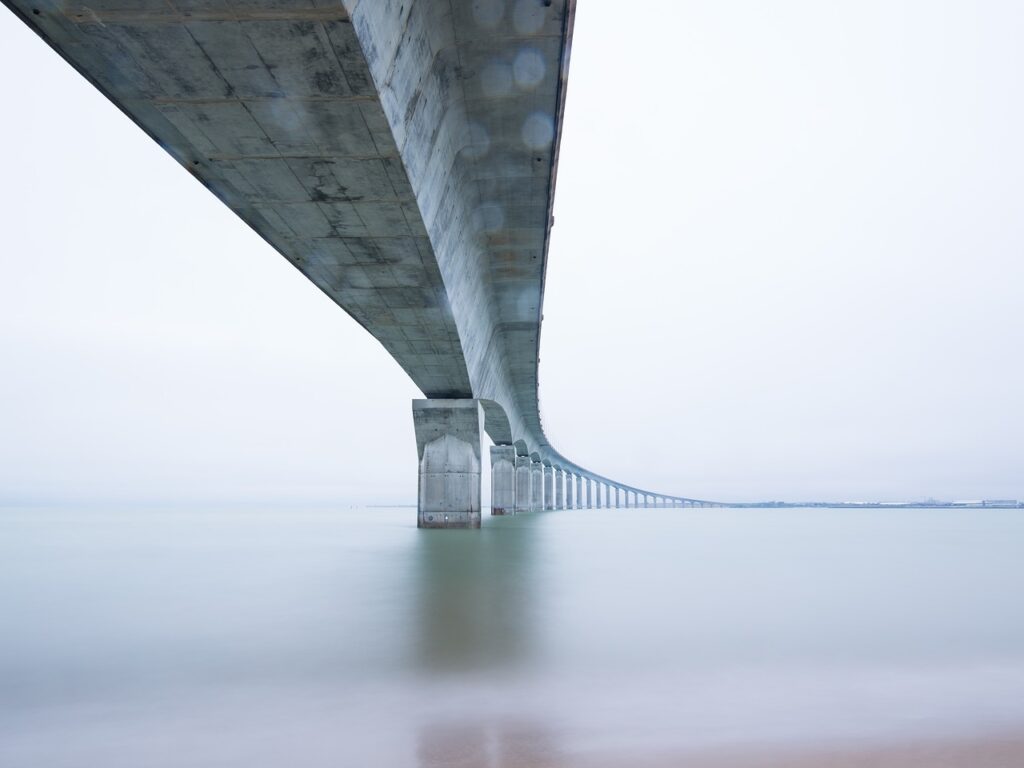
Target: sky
786,264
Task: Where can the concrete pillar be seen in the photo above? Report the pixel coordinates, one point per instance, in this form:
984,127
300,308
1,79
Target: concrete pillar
616,497
570,485
559,489
448,444
536,486
503,479
597,495
579,491
645,501
523,483
549,487
590,494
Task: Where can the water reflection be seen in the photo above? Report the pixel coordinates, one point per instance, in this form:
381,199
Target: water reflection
459,744
349,637
474,598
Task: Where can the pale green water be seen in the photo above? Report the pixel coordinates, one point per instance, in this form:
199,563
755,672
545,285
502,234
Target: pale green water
348,637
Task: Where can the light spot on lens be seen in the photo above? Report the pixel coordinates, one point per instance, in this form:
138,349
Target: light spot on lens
528,69
478,141
538,130
489,217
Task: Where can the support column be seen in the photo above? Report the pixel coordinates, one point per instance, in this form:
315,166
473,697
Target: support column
570,485
579,491
645,501
549,487
590,494
448,444
503,479
536,486
559,489
523,483
616,497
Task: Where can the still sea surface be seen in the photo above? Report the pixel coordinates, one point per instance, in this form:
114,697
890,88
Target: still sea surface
347,637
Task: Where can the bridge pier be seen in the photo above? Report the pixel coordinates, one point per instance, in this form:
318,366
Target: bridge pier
579,491
536,486
559,489
449,437
549,487
523,477
503,479
616,497
568,490
590,494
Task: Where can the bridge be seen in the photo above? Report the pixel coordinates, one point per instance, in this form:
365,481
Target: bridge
402,154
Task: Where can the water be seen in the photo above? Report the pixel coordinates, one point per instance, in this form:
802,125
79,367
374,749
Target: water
347,637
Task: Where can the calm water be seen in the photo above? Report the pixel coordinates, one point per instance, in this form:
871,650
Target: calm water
347,637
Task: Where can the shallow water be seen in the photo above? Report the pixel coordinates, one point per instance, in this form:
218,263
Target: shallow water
348,637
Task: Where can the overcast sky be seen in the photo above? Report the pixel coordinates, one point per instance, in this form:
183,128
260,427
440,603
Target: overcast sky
788,263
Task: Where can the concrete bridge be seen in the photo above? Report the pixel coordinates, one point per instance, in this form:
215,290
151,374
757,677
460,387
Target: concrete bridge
402,155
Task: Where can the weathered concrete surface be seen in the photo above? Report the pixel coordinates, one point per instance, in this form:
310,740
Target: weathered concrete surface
524,483
402,154
448,443
536,486
503,479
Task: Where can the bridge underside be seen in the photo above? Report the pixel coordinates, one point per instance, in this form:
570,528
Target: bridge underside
401,154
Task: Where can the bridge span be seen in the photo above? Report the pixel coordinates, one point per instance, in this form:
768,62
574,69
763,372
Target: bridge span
402,155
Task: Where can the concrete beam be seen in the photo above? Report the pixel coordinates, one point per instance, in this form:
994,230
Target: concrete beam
449,437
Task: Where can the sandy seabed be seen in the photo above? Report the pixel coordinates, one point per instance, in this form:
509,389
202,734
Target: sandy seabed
1005,751
997,751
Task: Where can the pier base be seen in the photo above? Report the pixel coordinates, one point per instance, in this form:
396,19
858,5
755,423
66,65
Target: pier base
523,483
448,443
503,479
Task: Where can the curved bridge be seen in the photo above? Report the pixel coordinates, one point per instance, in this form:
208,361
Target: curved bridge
402,155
